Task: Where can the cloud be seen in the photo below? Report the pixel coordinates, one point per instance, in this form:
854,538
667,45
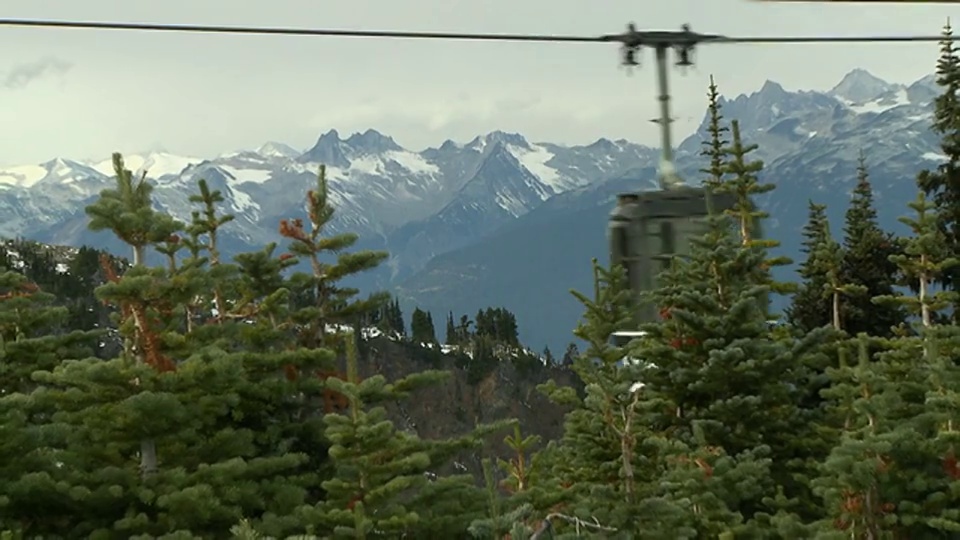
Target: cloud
21,75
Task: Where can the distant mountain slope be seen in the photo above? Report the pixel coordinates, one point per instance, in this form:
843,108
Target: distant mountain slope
415,204
500,219
810,142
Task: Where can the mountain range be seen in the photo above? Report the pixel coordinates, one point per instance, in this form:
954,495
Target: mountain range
501,220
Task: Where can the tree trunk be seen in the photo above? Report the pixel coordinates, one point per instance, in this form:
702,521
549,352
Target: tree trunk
148,447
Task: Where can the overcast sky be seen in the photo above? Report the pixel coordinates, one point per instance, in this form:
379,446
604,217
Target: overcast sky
84,94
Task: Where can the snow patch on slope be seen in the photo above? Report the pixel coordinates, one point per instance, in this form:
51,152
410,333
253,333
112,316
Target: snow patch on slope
934,156
23,176
243,176
244,205
535,161
880,105
156,164
414,163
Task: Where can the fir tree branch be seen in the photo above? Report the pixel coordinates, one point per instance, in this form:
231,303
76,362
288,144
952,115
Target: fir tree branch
577,522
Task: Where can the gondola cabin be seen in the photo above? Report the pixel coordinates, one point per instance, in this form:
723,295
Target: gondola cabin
647,229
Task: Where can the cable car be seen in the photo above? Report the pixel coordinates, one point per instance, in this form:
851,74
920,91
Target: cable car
647,229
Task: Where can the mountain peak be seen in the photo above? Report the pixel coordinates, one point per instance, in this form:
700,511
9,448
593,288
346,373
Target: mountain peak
860,86
603,144
449,146
483,141
771,88
328,150
276,149
332,135
56,162
929,81
372,141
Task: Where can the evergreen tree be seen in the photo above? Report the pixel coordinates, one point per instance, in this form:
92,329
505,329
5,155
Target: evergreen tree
596,468
396,318
732,171
421,327
332,303
181,398
926,257
943,184
852,480
548,358
829,255
570,355
894,472
127,212
389,316
380,485
464,334
745,184
722,369
811,308
31,501
206,226
499,324
866,263
715,145
619,462
452,337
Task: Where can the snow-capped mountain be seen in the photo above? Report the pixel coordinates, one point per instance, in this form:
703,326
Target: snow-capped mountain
391,196
809,142
466,213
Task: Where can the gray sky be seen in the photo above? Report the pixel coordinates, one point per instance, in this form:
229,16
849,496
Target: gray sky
84,94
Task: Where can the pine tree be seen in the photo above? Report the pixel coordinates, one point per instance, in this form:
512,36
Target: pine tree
464,333
866,263
730,382
202,402
127,212
829,255
894,472
421,327
853,482
452,337
715,145
744,184
380,485
498,324
548,358
389,316
599,468
396,318
30,498
943,184
732,171
570,355
810,308
926,257
618,463
331,303
208,224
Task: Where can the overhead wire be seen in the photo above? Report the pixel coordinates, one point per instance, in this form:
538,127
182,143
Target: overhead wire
217,29
389,34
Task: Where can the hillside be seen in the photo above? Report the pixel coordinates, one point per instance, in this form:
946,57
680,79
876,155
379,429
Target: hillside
472,394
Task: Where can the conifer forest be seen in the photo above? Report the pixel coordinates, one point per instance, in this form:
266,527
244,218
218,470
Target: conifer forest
213,398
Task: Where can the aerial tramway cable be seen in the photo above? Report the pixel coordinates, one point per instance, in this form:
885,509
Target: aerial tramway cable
631,36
